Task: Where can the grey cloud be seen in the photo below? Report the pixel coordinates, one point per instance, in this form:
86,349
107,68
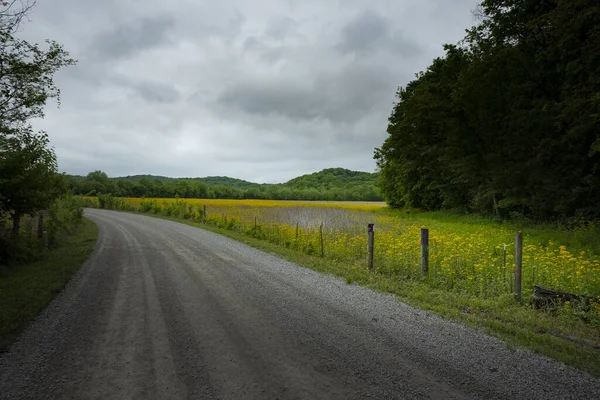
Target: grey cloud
126,40
263,90
364,33
370,32
159,94
355,90
341,96
253,43
280,27
290,100
267,53
270,45
155,92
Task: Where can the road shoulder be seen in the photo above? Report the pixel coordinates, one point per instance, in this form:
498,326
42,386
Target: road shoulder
29,288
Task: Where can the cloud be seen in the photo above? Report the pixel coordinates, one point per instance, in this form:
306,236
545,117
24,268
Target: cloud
263,90
365,33
127,40
370,32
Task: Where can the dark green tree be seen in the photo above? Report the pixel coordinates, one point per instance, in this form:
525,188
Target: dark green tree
28,178
28,175
508,120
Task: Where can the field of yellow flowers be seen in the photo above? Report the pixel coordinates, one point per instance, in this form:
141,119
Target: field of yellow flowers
473,258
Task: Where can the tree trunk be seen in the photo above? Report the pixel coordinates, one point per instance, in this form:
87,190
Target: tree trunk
495,205
16,219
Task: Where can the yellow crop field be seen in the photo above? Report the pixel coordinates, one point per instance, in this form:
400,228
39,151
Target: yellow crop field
351,205
475,258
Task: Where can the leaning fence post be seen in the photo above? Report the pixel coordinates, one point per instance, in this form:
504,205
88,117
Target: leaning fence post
321,235
370,245
518,265
40,231
424,251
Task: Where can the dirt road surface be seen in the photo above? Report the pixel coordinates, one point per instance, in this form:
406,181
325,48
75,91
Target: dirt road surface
163,310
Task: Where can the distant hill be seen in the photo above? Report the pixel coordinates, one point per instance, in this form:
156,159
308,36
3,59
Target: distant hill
333,178
137,178
328,184
209,180
227,181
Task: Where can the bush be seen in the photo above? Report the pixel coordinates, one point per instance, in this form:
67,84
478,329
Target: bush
147,206
176,209
87,202
109,202
64,216
16,250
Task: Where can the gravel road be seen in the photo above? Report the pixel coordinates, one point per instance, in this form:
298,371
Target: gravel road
163,310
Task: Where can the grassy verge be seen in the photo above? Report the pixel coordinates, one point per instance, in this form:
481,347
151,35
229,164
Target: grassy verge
576,235
26,289
564,336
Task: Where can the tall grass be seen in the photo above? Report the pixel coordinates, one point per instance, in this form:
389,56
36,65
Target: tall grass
473,256
470,279
61,219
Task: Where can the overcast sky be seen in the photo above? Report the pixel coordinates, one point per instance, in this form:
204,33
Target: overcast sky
259,90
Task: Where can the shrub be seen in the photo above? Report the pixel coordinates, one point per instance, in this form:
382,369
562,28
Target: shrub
64,216
147,206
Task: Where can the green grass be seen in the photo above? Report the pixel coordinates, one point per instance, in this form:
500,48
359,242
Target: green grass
26,289
564,336
577,236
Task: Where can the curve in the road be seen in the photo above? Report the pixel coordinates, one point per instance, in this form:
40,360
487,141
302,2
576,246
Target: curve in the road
166,311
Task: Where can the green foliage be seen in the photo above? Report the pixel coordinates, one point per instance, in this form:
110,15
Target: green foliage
147,206
28,170
65,215
110,202
28,174
16,250
26,289
84,202
175,209
26,72
507,122
336,184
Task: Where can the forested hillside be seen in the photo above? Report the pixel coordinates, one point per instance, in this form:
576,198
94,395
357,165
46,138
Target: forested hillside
508,121
210,180
330,184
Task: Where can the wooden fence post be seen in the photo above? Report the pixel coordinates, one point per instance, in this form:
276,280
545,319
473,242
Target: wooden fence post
255,223
424,251
204,213
296,231
370,245
518,266
321,235
45,238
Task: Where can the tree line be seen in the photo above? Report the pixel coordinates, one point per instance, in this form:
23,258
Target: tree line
29,179
334,184
507,121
